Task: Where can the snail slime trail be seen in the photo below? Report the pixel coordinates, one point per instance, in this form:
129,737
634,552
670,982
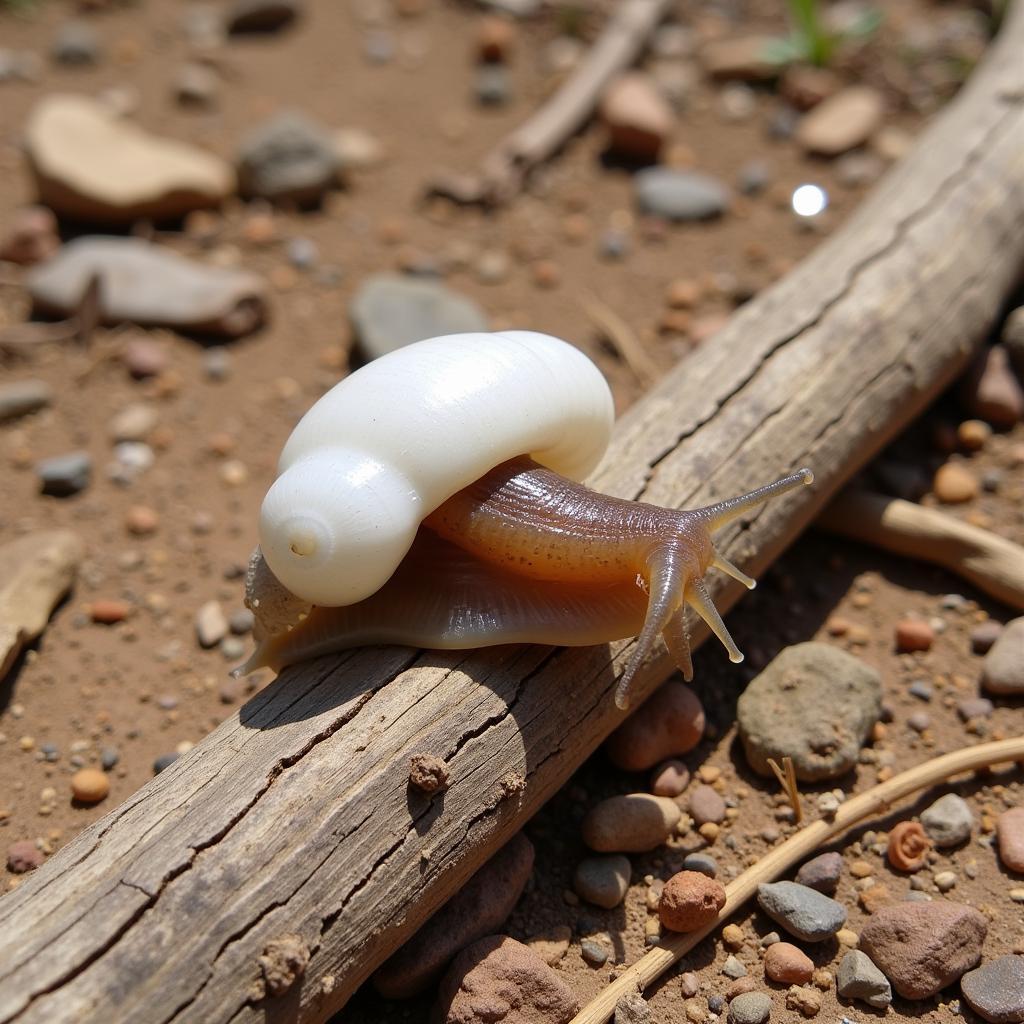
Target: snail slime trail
433,498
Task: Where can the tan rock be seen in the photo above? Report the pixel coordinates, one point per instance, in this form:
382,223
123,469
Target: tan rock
1010,830
633,823
788,964
744,58
637,116
670,722
842,122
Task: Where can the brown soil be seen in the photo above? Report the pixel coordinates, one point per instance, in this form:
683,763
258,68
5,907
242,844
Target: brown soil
145,687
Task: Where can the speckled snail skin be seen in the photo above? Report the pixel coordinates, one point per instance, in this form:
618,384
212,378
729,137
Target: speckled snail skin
432,499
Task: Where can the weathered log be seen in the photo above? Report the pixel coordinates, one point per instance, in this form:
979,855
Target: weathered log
295,817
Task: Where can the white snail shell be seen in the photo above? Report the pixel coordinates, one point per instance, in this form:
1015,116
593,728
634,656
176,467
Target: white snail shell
394,440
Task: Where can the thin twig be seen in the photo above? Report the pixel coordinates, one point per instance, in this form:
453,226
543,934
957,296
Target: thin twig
787,780
674,946
623,338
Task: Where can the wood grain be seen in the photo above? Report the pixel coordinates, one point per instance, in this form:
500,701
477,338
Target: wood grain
295,816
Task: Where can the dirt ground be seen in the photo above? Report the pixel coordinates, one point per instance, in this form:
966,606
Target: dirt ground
143,688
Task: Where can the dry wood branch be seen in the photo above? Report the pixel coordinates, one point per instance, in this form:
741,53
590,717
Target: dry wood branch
295,816
992,563
505,169
875,801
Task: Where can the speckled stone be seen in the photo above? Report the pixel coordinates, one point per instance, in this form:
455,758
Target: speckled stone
995,991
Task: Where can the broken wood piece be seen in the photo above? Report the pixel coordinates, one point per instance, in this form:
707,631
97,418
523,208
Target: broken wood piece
505,169
294,817
992,563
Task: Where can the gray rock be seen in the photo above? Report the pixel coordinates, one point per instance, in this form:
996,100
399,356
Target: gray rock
288,158
802,911
822,872
593,952
974,707
603,881
164,761
750,1008
632,1008
75,44
754,177
491,85
390,311
146,284
995,991
859,978
814,703
1003,671
702,862
21,397
733,968
948,821
260,15
680,195
64,475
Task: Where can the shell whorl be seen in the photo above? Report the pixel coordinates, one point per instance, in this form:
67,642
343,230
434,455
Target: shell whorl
394,440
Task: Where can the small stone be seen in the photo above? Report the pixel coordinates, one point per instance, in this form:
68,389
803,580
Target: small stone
633,823
973,435
164,761
750,1008
1010,831
984,635
1003,670
689,984
144,358
670,722
23,856
637,117
492,86
706,805
89,786
747,58
428,773
22,397
670,778
689,901
65,475
75,45
914,635
196,85
134,422
919,721
921,689
923,947
495,39
109,756
995,991
753,177
945,880
211,625
802,911
991,391
954,484
603,881
822,872
733,968
680,195
250,16
975,707
108,612
632,1008
593,952
31,237
357,149
842,122
702,862
732,934
948,821
806,1000
787,964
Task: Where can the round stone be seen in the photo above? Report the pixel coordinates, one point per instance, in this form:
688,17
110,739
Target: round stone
689,901
89,785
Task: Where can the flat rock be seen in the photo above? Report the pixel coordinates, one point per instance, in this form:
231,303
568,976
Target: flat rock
149,285
859,978
603,881
802,911
21,397
923,947
632,823
822,872
390,311
680,195
637,116
995,991
38,571
948,821
670,722
479,908
842,122
500,981
814,703
92,165
1003,669
288,158
750,1008
1010,830
61,476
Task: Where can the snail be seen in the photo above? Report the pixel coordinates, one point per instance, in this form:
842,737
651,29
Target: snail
433,498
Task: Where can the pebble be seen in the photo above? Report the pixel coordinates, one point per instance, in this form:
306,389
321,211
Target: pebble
733,968
702,862
913,635
822,872
211,624
76,44
390,311
494,39
973,435
633,823
478,908
244,16
995,991
108,612
842,122
23,856
919,721
680,195
954,484
134,422
948,821
991,391
742,57
974,707
859,978
637,117
706,805
65,475
31,236
787,964
923,947
593,952
814,703
491,85
603,881
22,397
670,778
149,285
288,158
1003,669
670,722
945,880
164,761
632,1008
93,165
802,911
806,1000
689,901
732,934
144,358
500,979
196,85
109,756
750,1008
89,785
753,177
1010,831
357,149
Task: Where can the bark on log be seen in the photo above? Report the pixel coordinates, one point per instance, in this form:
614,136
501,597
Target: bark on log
295,817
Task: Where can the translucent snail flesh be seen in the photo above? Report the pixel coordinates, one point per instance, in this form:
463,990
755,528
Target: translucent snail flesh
432,498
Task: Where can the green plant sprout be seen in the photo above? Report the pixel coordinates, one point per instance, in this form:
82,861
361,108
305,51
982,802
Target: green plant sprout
811,41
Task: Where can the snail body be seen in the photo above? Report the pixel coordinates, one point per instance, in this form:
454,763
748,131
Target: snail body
433,498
